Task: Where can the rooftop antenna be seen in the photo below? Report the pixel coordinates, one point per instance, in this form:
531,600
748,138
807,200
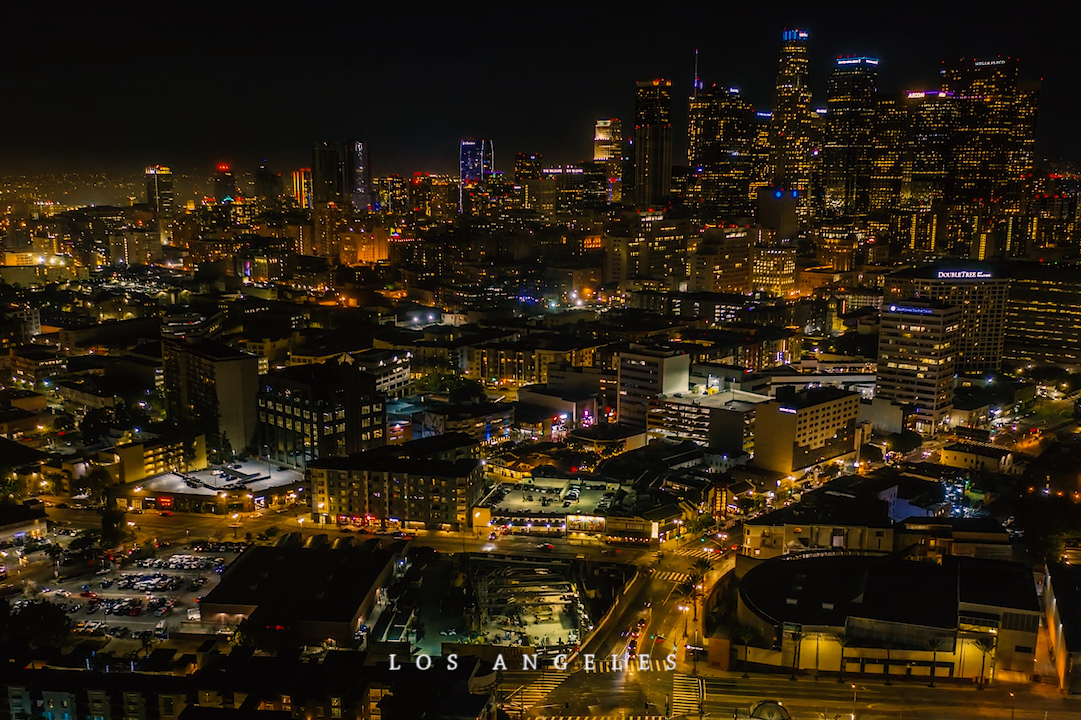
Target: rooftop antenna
697,82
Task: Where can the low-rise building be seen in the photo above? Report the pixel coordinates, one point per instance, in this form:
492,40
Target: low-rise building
988,458
799,430
722,421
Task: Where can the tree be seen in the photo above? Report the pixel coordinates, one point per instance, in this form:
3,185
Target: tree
986,646
95,424
38,624
467,391
114,527
10,487
797,638
703,565
84,540
844,642
937,645
95,483
687,592
741,634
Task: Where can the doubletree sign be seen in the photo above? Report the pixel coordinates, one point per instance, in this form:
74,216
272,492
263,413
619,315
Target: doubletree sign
964,274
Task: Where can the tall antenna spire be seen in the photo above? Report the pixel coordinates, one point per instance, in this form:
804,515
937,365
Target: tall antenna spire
697,82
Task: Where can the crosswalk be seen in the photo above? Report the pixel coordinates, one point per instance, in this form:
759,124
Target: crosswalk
697,552
540,688
676,577
684,694
606,666
604,717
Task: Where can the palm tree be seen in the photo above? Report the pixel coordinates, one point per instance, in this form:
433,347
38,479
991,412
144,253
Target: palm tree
695,579
687,591
937,645
703,565
797,638
844,642
741,635
986,646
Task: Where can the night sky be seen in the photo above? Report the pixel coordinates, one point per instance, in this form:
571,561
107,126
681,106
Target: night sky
192,84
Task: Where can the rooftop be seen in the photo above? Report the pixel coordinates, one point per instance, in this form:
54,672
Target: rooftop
307,584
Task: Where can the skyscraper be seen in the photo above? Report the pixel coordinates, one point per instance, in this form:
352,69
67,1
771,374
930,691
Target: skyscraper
328,173
302,188
791,127
994,135
268,184
720,138
476,162
932,116
608,149
225,184
527,166
917,356
359,173
159,191
652,142
847,153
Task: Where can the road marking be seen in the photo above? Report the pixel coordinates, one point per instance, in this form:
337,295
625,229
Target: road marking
684,694
606,666
541,688
696,552
676,577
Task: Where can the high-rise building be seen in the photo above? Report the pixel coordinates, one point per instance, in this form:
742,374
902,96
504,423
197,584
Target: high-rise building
225,189
608,149
1043,315
527,166
850,124
799,430
159,191
303,191
888,136
476,163
212,387
981,294
268,184
392,194
993,140
720,139
644,373
359,171
917,358
307,412
328,174
792,122
652,143
931,118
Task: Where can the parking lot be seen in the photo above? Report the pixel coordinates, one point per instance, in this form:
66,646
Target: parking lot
146,598
539,500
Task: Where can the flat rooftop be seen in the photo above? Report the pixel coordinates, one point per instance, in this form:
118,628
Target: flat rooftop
310,584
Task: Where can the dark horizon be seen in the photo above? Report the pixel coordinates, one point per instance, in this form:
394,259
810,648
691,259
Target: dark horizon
115,93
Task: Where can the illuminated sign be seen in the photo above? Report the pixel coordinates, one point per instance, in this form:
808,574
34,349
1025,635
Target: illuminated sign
984,63
790,411
857,61
914,310
963,274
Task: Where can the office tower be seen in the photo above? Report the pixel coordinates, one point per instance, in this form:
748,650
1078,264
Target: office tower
159,191
720,138
213,387
316,411
917,355
527,166
476,163
799,430
225,184
268,184
847,153
644,373
328,174
652,143
773,269
722,261
392,194
978,291
888,143
932,116
994,134
761,156
791,125
608,149
359,180
303,191
1043,315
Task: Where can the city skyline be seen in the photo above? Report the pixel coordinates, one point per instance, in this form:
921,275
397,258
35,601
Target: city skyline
415,106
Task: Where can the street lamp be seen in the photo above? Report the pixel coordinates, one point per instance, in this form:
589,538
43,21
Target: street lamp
684,609
853,702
